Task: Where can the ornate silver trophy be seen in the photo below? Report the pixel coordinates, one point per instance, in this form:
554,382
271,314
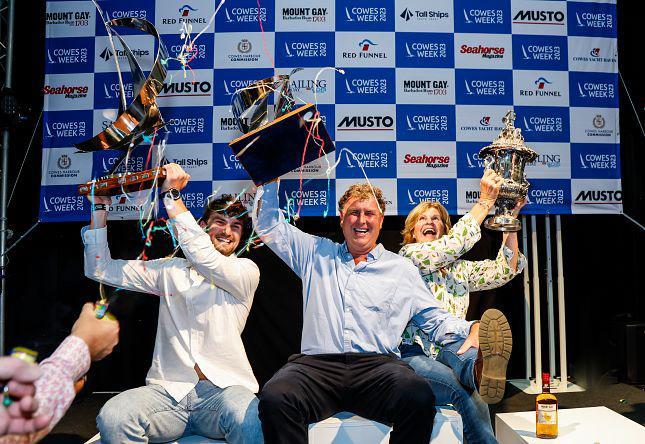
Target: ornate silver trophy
508,156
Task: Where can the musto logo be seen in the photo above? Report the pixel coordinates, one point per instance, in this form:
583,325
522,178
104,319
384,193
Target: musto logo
309,197
367,123
69,92
194,88
418,196
537,17
429,160
599,197
487,52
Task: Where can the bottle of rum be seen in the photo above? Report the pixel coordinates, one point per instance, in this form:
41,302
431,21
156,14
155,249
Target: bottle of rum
546,411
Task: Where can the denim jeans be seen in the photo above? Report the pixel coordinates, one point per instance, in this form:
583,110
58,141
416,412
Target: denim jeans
448,390
150,414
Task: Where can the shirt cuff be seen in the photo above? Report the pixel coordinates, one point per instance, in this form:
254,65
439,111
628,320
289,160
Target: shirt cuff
94,236
507,252
73,356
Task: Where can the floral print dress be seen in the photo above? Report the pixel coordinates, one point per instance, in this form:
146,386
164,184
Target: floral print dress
451,279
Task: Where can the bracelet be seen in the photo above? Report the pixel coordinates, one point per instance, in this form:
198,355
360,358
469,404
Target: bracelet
486,204
99,207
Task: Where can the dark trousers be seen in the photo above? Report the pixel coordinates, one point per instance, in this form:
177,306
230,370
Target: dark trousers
310,388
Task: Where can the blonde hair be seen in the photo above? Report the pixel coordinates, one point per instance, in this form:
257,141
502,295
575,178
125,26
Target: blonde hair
362,191
413,217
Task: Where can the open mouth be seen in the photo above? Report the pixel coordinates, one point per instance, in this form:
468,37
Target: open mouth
360,231
429,231
224,240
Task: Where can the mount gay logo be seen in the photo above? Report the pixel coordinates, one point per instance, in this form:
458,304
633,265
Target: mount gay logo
539,17
426,86
307,15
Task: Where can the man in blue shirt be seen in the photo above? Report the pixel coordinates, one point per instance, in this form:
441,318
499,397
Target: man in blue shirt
357,300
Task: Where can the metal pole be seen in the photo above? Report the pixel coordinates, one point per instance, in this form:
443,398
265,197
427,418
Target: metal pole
4,181
549,297
537,339
527,303
564,377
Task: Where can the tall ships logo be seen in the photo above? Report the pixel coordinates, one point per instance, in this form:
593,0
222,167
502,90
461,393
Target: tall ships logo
69,92
425,15
428,87
245,15
366,123
596,56
542,89
367,50
487,52
67,55
539,17
426,50
107,53
245,52
365,14
546,53
69,18
417,196
599,20
305,49
307,15
484,16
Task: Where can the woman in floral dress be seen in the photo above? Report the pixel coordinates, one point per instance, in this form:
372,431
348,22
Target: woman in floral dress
435,248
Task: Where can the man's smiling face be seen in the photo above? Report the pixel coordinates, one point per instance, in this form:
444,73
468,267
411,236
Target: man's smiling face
225,233
361,221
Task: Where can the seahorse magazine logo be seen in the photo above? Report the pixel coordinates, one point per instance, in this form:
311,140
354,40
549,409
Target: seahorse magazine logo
479,122
424,159
411,192
171,17
592,19
366,85
546,53
64,128
62,203
358,49
538,17
65,55
192,88
483,51
244,15
294,15
314,198
356,122
549,196
105,57
481,86
595,160
244,50
304,49
371,159
596,195
364,15
65,166
543,124
594,125
198,55
418,15
68,91
547,88
553,161
67,19
479,17
189,124
227,81
594,54
141,9
598,90
425,122
424,50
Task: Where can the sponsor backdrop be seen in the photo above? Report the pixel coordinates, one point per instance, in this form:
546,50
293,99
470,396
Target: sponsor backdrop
425,86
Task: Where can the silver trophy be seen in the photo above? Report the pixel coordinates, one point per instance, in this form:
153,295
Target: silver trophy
508,156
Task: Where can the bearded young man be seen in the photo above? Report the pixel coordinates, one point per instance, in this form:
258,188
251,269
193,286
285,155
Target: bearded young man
357,300
200,382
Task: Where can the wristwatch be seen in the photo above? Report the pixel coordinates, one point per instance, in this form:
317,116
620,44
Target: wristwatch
172,193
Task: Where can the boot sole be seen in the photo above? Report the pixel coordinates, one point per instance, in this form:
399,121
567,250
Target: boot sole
495,343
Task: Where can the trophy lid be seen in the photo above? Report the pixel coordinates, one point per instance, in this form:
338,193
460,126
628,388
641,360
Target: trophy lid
510,137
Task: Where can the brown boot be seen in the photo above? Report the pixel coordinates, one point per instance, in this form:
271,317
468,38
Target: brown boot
495,344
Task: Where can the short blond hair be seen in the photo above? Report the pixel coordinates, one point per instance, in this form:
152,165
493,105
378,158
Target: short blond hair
413,217
362,191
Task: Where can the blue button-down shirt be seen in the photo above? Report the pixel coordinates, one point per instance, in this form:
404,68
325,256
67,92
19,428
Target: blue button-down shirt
351,307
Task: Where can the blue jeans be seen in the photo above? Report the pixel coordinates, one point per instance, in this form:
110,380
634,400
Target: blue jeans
448,390
150,414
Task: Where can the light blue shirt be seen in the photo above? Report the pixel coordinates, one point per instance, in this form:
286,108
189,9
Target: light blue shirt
347,307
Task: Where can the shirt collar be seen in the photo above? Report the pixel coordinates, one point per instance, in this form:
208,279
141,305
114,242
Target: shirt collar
373,255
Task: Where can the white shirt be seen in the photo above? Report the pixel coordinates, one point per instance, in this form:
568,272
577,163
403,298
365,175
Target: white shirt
205,300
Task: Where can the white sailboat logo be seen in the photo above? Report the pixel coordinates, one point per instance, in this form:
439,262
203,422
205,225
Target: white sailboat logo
412,202
47,210
410,127
227,91
527,127
349,89
226,165
107,93
407,49
579,21
468,91
228,17
582,162
582,94
286,47
526,56
49,56
349,17
49,133
466,17
349,163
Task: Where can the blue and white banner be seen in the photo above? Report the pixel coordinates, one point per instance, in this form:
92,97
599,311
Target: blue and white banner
421,87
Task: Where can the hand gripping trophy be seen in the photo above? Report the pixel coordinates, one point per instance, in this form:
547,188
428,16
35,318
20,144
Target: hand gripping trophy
508,156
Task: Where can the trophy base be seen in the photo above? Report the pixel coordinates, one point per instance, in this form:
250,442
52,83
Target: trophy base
503,223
